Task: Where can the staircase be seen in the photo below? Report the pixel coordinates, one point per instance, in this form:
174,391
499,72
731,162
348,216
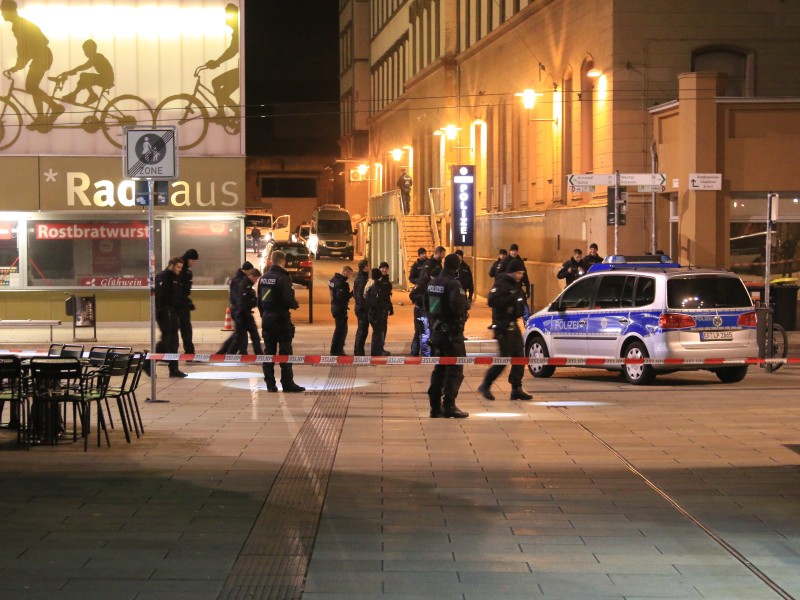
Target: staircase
416,233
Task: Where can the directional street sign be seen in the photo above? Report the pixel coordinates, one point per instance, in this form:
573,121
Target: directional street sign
577,189
589,179
151,153
649,189
642,179
705,181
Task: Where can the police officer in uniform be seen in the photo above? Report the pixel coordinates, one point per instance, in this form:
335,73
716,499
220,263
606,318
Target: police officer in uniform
186,305
417,296
167,299
250,302
446,306
379,304
275,300
465,276
340,304
362,310
507,301
419,328
237,341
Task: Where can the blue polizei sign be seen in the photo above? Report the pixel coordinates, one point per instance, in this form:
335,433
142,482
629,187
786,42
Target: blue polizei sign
463,182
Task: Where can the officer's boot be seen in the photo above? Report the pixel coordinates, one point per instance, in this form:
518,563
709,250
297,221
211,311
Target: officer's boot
272,386
436,407
451,411
485,391
292,388
518,393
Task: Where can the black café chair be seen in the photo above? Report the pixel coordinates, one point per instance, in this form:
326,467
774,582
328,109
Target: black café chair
132,403
55,349
53,382
100,356
11,392
115,374
72,351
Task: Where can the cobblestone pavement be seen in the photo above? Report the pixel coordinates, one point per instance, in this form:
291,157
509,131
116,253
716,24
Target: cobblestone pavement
595,489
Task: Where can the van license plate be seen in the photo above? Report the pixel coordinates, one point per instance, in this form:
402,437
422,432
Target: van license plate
714,336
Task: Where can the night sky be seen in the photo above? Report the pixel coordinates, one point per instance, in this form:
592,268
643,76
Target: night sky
292,54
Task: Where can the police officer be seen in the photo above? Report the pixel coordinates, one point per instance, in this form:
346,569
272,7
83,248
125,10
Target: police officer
494,270
465,276
249,303
378,295
419,327
446,306
167,299
404,183
186,305
237,341
362,310
507,301
417,296
513,252
340,304
275,300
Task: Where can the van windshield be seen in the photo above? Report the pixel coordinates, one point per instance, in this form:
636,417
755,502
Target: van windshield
335,226
709,291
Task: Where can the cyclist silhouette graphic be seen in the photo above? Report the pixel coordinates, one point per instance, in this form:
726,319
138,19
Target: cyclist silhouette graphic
102,78
224,85
32,47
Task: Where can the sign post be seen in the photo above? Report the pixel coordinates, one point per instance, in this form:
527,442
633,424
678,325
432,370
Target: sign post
151,155
463,183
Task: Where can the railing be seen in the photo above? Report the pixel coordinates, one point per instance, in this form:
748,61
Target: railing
385,241
440,218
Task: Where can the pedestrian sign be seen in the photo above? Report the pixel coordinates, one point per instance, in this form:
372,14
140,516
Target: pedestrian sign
151,153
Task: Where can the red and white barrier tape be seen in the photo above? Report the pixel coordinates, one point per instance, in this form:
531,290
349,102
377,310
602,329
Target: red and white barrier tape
314,359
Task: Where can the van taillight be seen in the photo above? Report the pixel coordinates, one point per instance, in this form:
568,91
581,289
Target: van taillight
747,319
306,263
675,321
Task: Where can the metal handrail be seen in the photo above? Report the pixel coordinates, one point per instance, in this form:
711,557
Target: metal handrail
437,241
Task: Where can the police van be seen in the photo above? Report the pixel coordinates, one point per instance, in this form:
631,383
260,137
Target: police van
648,307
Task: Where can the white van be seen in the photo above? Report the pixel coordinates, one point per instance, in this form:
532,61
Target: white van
331,232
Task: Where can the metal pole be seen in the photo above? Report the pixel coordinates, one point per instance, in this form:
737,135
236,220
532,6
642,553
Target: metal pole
654,231
768,252
616,212
151,275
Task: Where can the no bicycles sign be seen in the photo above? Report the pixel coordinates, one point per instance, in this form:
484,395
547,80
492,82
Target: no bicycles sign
151,153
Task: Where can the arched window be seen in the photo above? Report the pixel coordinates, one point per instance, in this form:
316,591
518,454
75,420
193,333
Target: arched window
737,64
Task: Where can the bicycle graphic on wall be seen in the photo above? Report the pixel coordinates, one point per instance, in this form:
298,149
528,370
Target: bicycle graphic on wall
90,100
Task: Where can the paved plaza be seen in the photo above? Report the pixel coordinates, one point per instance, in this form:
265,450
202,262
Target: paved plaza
595,489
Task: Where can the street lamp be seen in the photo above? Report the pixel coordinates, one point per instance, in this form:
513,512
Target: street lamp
528,98
397,154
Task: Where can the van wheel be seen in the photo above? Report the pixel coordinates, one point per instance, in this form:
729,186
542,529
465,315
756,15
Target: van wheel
536,348
637,374
731,374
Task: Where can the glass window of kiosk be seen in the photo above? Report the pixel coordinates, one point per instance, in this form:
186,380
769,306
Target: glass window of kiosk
218,242
89,253
9,255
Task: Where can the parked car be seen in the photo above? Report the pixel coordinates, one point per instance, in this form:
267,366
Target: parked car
301,234
264,223
631,307
299,263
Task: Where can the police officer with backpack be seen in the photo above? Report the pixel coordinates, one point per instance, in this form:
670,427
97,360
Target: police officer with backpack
422,326
275,300
379,304
340,304
446,305
507,301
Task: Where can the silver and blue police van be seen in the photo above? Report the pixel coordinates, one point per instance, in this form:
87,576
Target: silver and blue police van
648,307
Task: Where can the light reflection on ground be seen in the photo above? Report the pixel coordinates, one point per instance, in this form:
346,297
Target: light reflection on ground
242,380
497,415
570,403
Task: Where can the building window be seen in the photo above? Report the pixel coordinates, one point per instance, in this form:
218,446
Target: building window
288,187
587,117
736,64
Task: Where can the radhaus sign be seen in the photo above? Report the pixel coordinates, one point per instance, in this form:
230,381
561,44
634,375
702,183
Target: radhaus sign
96,184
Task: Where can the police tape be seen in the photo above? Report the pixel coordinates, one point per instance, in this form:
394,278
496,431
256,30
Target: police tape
316,359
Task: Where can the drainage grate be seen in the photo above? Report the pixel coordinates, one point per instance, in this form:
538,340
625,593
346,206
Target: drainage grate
274,560
793,447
